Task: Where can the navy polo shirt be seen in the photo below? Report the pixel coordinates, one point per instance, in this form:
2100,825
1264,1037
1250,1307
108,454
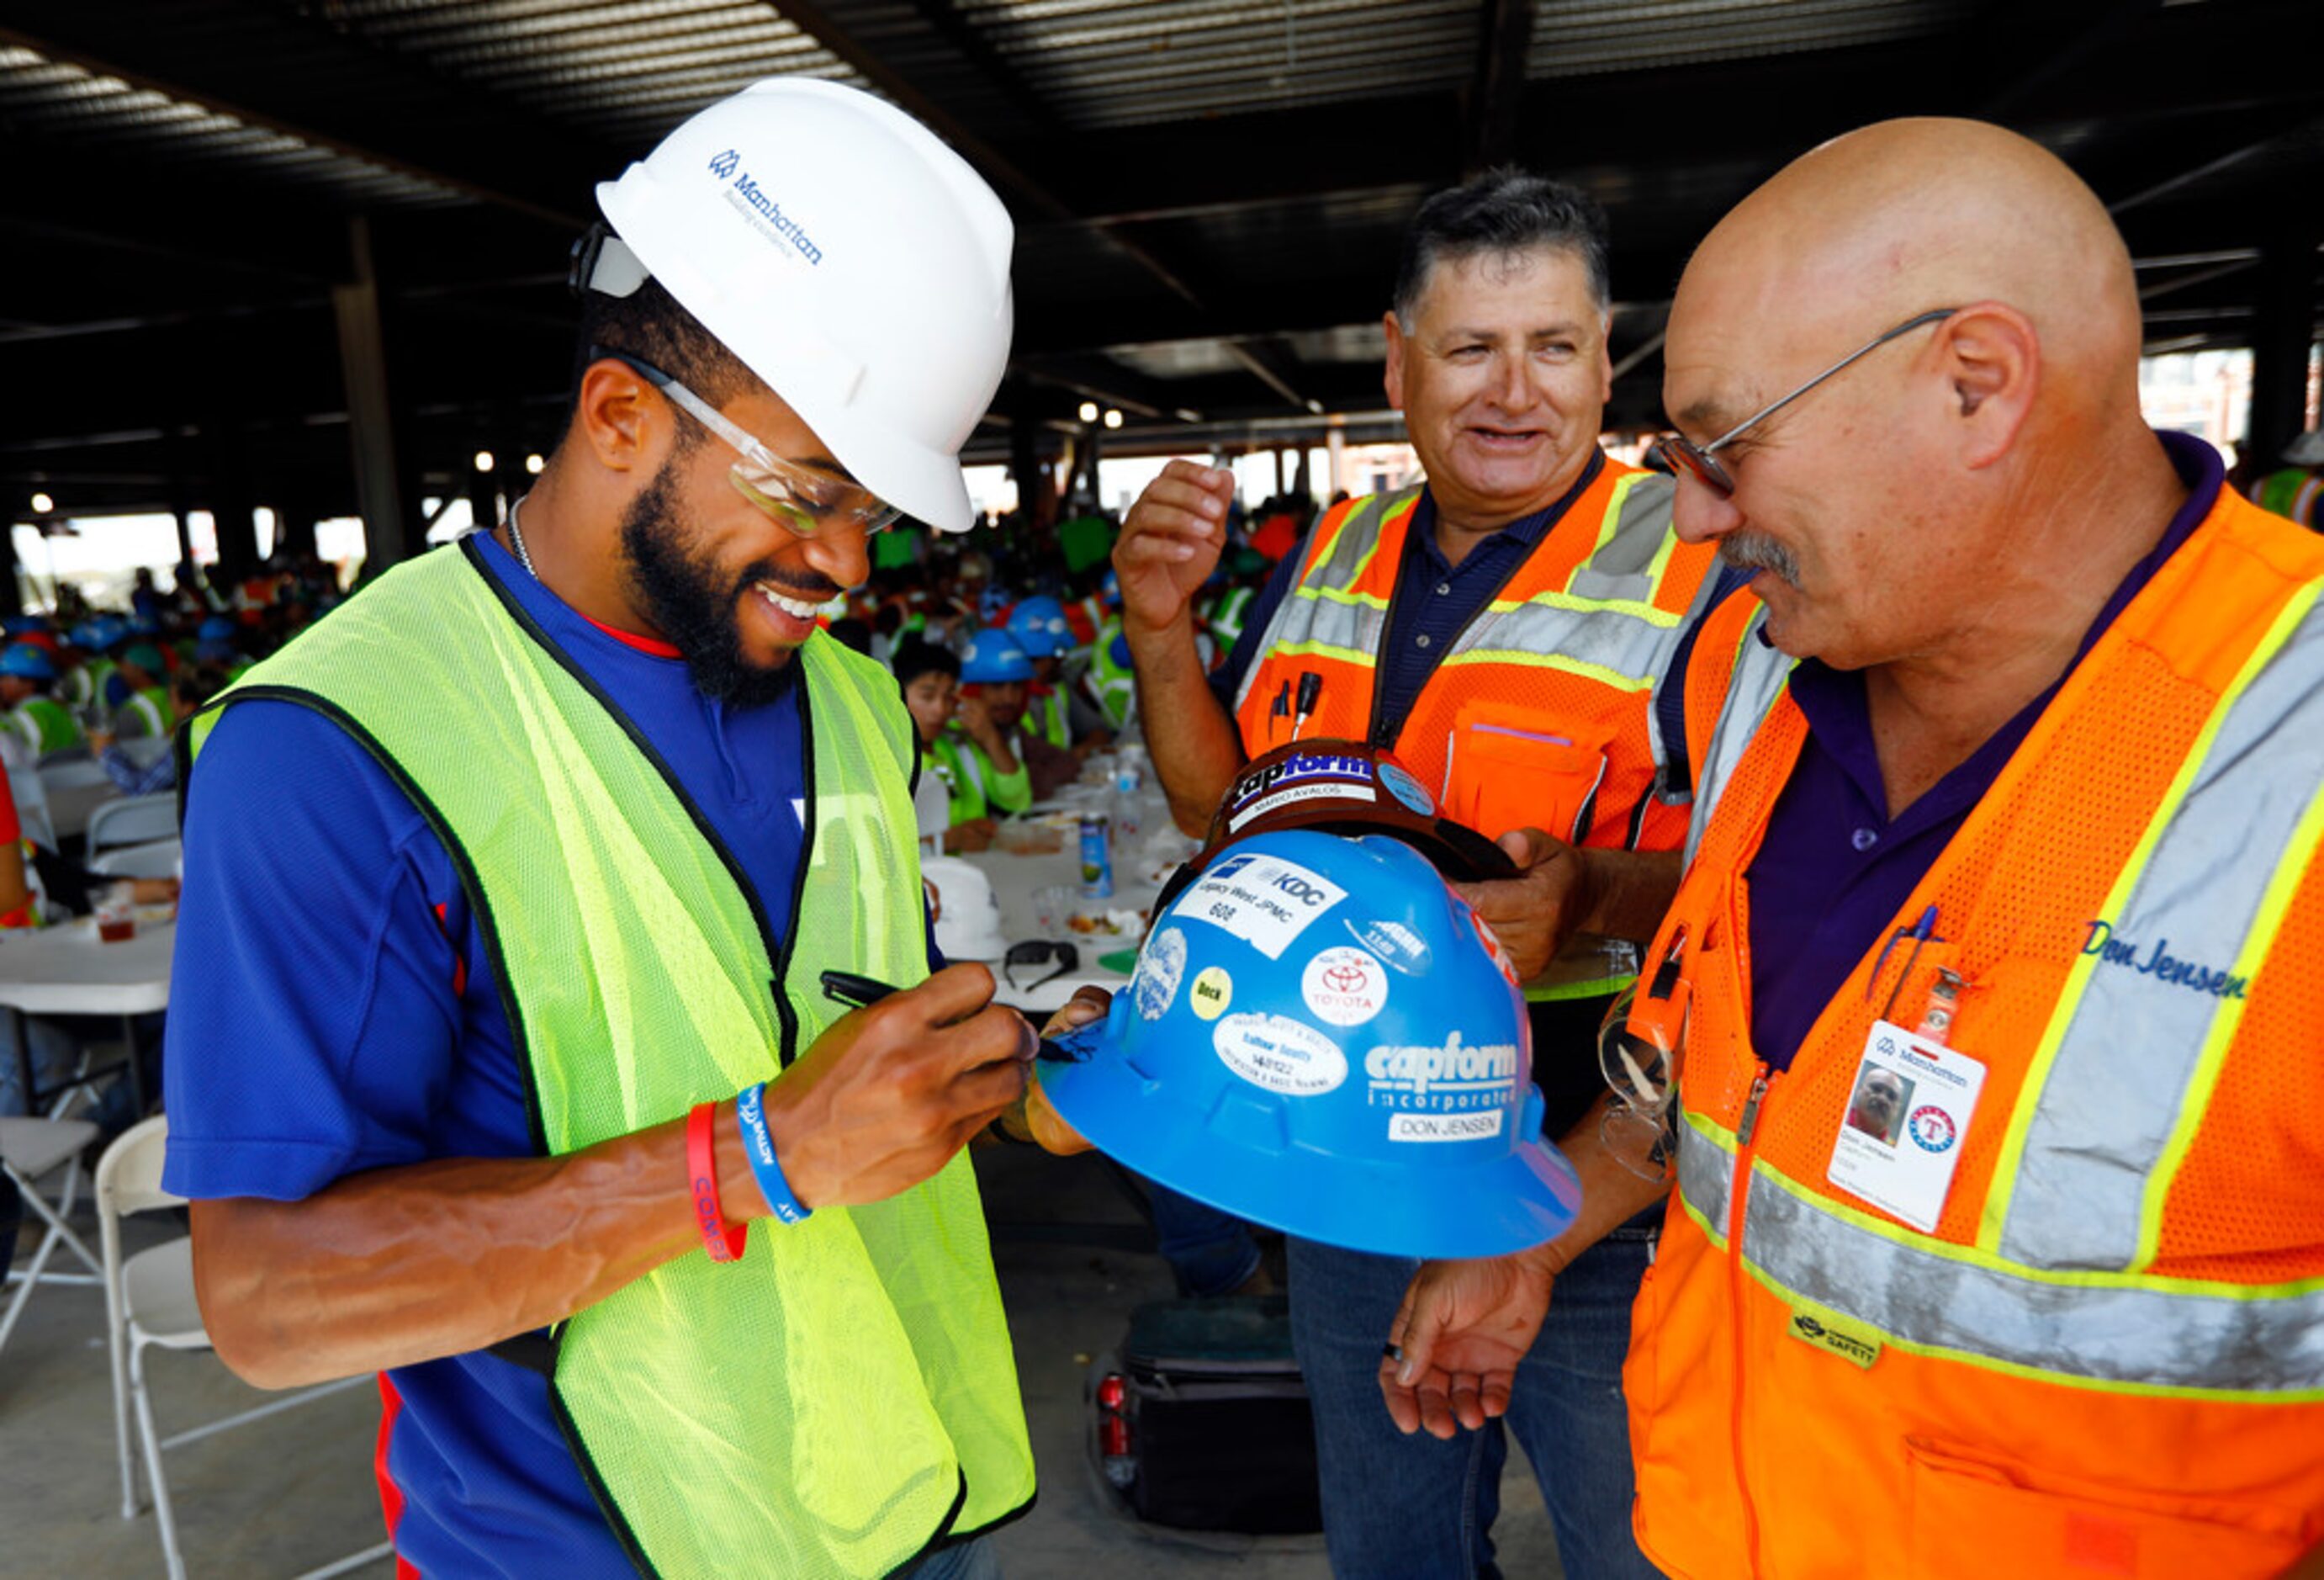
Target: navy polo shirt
1834,868
1434,602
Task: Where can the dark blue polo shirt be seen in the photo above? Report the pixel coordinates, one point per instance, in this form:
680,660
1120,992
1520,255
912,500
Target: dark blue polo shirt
1834,870
1434,602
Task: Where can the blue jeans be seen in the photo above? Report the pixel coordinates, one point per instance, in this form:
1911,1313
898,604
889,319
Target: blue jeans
972,1560
1399,1508
1211,1252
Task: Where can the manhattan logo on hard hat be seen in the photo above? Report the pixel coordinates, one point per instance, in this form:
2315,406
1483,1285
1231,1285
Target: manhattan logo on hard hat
1319,1037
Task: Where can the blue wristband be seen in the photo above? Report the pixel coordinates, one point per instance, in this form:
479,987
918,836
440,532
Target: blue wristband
759,1146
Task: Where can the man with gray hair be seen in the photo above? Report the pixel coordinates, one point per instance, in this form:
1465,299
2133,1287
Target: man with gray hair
1499,626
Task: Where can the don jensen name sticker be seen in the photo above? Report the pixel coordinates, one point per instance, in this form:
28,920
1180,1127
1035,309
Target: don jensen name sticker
1159,969
1280,1054
1446,1127
1213,992
1344,985
1263,899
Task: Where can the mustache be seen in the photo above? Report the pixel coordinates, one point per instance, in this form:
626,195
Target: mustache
807,590
1753,551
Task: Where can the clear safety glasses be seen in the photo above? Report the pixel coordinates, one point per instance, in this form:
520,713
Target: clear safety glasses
1700,462
1634,1047
802,499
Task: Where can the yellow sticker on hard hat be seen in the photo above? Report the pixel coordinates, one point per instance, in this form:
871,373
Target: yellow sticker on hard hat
1212,992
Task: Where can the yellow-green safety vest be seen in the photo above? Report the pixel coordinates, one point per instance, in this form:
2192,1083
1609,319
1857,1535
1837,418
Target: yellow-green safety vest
844,1395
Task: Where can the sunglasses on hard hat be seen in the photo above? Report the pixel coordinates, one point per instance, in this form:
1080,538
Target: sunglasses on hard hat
1700,462
802,499
1636,1043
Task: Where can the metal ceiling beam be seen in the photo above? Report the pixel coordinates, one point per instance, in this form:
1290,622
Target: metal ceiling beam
416,123
1504,40
2045,42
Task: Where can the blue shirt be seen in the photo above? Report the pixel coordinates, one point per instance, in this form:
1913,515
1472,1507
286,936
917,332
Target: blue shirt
333,1010
1834,868
1433,604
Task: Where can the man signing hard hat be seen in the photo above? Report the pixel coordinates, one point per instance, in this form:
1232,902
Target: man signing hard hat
499,1060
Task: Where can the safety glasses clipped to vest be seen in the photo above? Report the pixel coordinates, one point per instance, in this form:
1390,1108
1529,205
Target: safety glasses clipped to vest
1637,1047
1322,1037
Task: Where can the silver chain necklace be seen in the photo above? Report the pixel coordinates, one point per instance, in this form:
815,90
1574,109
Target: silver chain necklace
516,537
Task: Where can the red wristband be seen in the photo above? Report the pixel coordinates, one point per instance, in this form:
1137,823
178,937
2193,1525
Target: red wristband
722,1240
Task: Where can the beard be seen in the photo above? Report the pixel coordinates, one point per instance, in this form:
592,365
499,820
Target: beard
1751,551
695,606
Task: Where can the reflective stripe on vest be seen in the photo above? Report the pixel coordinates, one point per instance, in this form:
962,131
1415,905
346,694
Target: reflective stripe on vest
1756,681
1948,1300
1602,624
2219,860
879,1408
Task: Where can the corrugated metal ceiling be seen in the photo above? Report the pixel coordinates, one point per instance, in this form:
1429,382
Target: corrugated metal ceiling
57,100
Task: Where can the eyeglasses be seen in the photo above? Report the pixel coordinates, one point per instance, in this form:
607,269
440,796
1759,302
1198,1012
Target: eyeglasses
1039,952
1680,453
1635,1045
802,499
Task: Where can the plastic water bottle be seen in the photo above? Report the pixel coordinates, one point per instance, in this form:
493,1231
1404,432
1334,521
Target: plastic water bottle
1128,782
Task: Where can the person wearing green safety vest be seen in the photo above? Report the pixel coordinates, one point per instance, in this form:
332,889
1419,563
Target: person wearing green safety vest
1112,682
141,698
511,1054
929,677
39,720
2295,491
1002,758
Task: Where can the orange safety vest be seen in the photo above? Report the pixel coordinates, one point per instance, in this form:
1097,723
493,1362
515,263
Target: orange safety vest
2107,1358
1538,716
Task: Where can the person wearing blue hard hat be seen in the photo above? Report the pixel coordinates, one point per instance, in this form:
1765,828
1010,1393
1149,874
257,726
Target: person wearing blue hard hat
1007,766
34,716
1056,708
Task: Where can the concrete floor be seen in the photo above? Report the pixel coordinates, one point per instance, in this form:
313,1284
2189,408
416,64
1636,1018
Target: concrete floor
289,1493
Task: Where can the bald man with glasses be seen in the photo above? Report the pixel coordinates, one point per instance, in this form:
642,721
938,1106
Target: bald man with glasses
2007,805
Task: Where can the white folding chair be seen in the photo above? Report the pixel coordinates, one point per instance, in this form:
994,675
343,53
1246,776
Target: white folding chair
133,820
31,794
149,1303
29,1149
156,859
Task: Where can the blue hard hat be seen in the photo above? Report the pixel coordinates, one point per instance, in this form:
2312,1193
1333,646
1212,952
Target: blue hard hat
216,628
26,662
1110,589
145,625
1039,624
24,624
106,632
1322,1037
994,656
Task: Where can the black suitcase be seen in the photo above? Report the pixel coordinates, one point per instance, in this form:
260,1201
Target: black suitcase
1200,1421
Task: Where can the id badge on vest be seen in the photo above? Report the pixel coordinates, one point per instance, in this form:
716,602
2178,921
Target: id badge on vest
1908,1115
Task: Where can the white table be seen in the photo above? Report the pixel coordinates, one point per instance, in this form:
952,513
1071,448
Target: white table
1016,878
69,970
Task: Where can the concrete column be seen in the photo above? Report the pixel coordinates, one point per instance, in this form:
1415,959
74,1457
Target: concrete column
1335,449
388,535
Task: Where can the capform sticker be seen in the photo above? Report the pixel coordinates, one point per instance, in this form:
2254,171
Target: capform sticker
1344,985
1280,1054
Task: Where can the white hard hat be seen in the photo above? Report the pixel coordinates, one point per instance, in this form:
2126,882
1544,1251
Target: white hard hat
968,916
852,261
2307,450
